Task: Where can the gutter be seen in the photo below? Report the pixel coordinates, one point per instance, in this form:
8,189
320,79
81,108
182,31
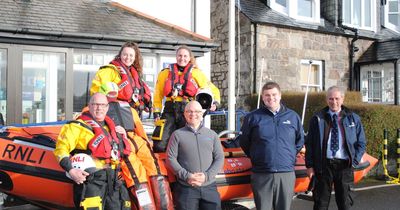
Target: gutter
103,37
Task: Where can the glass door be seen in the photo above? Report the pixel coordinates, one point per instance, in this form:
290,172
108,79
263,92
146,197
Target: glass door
43,87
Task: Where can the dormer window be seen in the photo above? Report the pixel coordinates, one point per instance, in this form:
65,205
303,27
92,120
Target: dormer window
359,13
303,10
392,15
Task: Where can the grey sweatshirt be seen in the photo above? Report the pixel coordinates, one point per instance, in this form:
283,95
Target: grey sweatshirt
191,151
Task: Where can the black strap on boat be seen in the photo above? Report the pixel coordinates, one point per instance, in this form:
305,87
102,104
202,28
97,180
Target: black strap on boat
132,171
154,157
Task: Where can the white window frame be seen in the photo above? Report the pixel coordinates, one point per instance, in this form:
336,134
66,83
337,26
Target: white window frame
291,10
150,72
279,8
386,15
386,83
362,24
320,73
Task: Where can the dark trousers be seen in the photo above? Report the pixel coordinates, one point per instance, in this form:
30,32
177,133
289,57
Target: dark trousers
273,190
196,198
340,174
113,193
174,119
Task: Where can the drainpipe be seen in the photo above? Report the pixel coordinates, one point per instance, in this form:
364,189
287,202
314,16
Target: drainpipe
352,50
194,16
396,83
255,59
231,65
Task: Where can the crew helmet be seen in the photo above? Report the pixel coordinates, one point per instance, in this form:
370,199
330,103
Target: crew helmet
204,97
82,161
110,89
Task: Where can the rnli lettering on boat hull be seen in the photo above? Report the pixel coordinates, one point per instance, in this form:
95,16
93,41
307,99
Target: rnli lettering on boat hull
23,153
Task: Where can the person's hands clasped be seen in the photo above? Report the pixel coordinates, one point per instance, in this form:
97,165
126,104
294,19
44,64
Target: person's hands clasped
197,179
78,175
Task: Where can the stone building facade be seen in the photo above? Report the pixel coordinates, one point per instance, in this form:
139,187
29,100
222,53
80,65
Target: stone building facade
276,46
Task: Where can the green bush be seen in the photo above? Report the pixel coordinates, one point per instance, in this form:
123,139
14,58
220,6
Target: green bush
375,117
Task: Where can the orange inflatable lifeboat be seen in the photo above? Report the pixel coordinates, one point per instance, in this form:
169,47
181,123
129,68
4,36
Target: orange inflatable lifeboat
29,170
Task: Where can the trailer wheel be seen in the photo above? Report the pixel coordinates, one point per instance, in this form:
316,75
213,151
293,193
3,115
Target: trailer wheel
5,181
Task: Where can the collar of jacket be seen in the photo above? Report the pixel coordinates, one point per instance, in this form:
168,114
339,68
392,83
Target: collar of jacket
281,109
198,129
344,111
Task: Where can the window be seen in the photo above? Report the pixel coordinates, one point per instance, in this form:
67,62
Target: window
3,83
311,73
86,64
359,13
377,83
392,14
149,71
43,87
303,10
281,2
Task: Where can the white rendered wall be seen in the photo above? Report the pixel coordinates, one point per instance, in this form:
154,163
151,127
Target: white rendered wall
177,12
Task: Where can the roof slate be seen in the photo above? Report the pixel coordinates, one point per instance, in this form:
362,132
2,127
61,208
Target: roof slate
88,18
382,51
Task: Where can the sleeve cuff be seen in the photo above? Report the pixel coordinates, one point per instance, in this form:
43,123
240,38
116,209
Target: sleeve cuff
65,163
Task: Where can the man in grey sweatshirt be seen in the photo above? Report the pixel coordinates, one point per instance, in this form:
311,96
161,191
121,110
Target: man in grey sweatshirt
195,156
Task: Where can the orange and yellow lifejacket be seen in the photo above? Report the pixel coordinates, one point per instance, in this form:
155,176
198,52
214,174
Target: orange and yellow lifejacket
184,83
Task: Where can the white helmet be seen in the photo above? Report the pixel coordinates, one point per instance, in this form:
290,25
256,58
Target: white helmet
109,89
204,97
82,161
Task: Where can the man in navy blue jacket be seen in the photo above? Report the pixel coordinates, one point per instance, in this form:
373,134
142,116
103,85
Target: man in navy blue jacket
272,136
335,144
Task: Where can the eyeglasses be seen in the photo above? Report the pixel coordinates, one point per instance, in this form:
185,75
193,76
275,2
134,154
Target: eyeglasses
193,112
99,105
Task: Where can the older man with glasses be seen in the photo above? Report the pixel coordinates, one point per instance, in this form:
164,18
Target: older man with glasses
95,134
195,156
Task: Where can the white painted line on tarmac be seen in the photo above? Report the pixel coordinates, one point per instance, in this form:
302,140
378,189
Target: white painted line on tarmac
374,187
309,195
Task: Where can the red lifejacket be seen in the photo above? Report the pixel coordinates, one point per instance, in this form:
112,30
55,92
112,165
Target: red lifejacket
185,83
131,84
101,145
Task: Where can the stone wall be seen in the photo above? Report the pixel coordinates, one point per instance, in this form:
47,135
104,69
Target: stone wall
220,55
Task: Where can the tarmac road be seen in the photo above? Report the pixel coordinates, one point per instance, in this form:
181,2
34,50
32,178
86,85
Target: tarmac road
368,195
365,198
